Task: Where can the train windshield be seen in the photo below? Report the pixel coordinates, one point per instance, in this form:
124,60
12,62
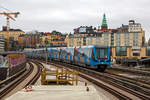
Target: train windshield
101,52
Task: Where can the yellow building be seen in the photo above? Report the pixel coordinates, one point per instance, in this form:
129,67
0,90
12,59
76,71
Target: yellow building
49,37
84,39
43,38
21,40
15,33
53,39
130,52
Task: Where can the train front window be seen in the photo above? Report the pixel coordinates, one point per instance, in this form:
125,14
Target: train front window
101,53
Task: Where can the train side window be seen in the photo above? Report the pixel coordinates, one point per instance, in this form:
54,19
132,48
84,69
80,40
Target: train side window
83,54
55,51
90,52
76,52
62,52
93,55
85,51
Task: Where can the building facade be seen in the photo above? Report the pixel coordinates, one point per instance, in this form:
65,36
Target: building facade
29,40
13,33
84,39
41,39
2,44
127,35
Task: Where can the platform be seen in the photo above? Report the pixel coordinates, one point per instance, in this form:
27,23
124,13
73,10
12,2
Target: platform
52,74
57,93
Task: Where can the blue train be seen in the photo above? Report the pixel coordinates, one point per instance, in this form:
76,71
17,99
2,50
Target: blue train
88,56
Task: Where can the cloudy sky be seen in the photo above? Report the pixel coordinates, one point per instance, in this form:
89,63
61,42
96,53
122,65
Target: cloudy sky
65,15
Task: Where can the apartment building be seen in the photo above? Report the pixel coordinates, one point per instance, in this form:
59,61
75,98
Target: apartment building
127,35
2,44
13,33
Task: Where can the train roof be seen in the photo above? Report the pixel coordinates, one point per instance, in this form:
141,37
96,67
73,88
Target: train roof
89,46
99,46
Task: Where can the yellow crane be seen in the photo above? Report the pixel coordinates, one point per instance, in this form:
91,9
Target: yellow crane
8,16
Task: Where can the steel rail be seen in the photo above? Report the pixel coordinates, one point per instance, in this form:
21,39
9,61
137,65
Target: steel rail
107,79
94,80
9,87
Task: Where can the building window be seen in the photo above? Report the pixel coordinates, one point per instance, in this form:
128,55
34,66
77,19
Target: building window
97,40
112,39
148,51
136,54
84,41
89,41
121,51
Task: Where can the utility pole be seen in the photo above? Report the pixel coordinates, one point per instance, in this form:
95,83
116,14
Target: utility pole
46,46
8,16
46,55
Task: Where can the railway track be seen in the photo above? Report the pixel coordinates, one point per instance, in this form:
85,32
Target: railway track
127,85
141,83
13,82
123,83
99,84
8,85
36,77
105,87
141,76
131,70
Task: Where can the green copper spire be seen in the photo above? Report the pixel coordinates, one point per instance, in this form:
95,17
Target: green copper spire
104,23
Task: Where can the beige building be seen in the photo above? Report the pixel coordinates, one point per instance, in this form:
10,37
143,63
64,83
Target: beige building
126,35
107,39
84,39
15,33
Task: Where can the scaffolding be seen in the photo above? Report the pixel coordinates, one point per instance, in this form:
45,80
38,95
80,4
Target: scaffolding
60,76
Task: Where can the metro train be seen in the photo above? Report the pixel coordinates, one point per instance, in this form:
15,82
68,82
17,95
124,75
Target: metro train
97,57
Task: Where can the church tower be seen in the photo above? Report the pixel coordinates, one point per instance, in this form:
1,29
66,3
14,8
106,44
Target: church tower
104,23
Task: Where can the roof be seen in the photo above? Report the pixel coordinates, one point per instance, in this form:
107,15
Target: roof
12,30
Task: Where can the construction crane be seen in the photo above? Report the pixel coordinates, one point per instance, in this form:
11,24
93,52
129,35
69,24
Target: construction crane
8,16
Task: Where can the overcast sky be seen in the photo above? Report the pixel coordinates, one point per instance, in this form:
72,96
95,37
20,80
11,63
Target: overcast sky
65,15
